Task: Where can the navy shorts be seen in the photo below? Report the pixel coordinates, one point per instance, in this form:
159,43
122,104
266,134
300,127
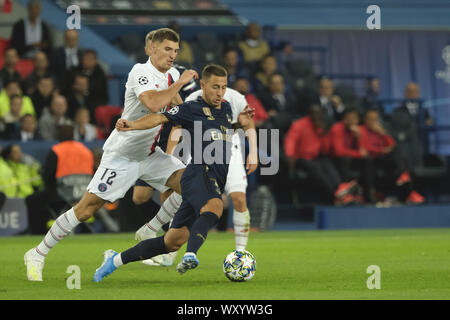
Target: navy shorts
141,183
198,186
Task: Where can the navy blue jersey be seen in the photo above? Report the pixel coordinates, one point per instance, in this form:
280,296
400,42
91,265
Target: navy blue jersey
185,91
210,146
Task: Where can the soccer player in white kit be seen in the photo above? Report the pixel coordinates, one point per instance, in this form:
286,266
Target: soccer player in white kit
235,187
127,156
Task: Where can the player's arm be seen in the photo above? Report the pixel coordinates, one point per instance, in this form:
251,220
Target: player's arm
156,100
174,137
147,122
245,120
177,100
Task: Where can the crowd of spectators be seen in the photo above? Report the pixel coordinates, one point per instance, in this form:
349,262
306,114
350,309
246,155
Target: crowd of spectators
63,81
62,89
320,133
344,146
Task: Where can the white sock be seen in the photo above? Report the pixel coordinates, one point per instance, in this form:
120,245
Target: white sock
63,225
166,212
117,260
241,222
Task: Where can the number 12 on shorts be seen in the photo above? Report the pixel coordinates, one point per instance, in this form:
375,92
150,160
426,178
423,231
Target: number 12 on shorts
110,178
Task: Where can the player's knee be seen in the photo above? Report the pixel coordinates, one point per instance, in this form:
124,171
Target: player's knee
139,199
239,201
174,181
213,205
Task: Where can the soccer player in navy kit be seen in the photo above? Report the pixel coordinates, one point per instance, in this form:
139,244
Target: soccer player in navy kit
202,183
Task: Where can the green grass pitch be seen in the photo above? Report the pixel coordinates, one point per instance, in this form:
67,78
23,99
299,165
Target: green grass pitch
290,265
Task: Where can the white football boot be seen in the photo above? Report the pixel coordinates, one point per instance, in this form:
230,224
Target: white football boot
34,264
144,233
168,259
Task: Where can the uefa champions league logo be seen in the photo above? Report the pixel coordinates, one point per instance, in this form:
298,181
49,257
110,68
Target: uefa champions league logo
445,74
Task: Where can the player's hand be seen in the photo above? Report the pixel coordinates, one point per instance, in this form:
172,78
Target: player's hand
245,117
187,76
249,110
124,125
252,163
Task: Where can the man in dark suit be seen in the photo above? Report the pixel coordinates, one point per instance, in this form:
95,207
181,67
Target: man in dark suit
41,70
66,57
28,130
331,104
78,96
412,106
43,95
9,73
281,106
98,82
31,34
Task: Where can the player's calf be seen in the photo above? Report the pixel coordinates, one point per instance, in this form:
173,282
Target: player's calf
141,194
239,201
175,238
88,205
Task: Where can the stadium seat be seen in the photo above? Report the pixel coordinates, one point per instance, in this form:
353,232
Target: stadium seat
25,67
104,116
4,44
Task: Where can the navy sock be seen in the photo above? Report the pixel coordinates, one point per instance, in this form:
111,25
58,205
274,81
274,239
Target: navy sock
199,231
144,250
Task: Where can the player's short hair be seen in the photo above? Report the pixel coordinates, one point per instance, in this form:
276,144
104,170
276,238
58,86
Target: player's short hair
149,36
165,34
213,69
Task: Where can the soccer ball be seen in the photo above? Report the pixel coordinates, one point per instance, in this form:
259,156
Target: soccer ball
239,265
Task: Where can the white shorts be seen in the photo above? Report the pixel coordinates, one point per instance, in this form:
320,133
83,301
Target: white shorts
117,174
237,177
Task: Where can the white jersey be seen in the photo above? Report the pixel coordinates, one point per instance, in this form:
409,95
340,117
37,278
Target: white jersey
236,100
136,145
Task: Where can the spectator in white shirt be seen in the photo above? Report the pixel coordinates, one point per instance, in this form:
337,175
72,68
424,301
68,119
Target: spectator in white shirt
54,117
